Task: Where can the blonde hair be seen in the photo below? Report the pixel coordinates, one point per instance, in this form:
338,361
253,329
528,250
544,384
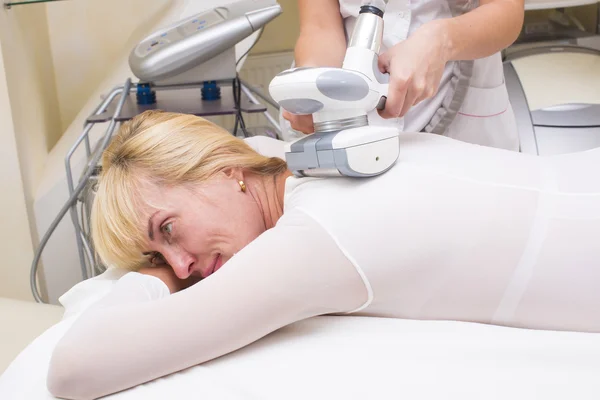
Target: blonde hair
168,149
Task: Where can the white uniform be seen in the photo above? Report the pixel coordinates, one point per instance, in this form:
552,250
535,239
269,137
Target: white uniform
485,116
452,232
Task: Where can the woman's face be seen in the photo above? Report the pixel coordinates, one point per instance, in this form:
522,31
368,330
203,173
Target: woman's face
197,229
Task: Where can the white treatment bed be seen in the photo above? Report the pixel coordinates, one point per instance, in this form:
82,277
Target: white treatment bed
352,358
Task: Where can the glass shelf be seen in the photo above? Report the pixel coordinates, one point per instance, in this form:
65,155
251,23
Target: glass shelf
9,4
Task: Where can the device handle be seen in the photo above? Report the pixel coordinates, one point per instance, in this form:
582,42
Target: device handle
381,103
383,91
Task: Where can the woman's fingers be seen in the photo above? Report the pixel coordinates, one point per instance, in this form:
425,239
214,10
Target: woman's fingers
300,123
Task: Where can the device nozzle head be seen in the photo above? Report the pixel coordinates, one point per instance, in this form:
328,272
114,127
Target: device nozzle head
378,4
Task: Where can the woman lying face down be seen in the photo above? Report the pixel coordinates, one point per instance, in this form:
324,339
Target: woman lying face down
179,191
241,248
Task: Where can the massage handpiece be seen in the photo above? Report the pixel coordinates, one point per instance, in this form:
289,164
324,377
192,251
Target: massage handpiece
339,100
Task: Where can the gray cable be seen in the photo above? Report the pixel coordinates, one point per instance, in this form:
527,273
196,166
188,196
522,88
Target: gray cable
88,252
85,240
251,47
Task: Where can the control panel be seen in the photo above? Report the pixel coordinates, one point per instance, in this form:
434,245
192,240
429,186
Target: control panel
180,31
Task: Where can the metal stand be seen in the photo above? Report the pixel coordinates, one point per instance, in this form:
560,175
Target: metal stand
119,106
180,99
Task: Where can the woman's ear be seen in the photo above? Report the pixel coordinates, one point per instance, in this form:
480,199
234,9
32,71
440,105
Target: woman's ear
234,173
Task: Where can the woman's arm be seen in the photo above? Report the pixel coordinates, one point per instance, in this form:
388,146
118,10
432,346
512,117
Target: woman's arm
321,43
491,27
416,64
292,272
166,274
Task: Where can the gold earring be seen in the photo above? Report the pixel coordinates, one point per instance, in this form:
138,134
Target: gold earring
242,186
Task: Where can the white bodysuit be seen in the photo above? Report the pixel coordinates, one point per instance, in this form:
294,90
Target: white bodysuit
454,232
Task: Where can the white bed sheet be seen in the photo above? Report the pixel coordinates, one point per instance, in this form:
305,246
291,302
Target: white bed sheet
358,358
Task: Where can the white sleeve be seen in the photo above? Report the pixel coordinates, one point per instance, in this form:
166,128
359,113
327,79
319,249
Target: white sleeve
133,287
291,272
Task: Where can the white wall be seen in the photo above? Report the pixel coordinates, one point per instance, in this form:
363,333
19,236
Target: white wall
15,237
29,125
87,37
281,33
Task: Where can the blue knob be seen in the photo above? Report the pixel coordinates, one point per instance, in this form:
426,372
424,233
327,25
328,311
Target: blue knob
145,95
211,91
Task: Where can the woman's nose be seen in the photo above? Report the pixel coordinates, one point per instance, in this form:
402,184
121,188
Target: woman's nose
182,264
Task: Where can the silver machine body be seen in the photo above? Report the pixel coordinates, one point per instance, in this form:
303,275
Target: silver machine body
201,47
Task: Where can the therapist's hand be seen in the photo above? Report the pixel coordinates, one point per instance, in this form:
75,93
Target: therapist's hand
415,66
301,123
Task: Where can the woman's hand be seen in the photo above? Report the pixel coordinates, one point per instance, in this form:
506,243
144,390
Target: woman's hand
165,273
415,66
301,123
